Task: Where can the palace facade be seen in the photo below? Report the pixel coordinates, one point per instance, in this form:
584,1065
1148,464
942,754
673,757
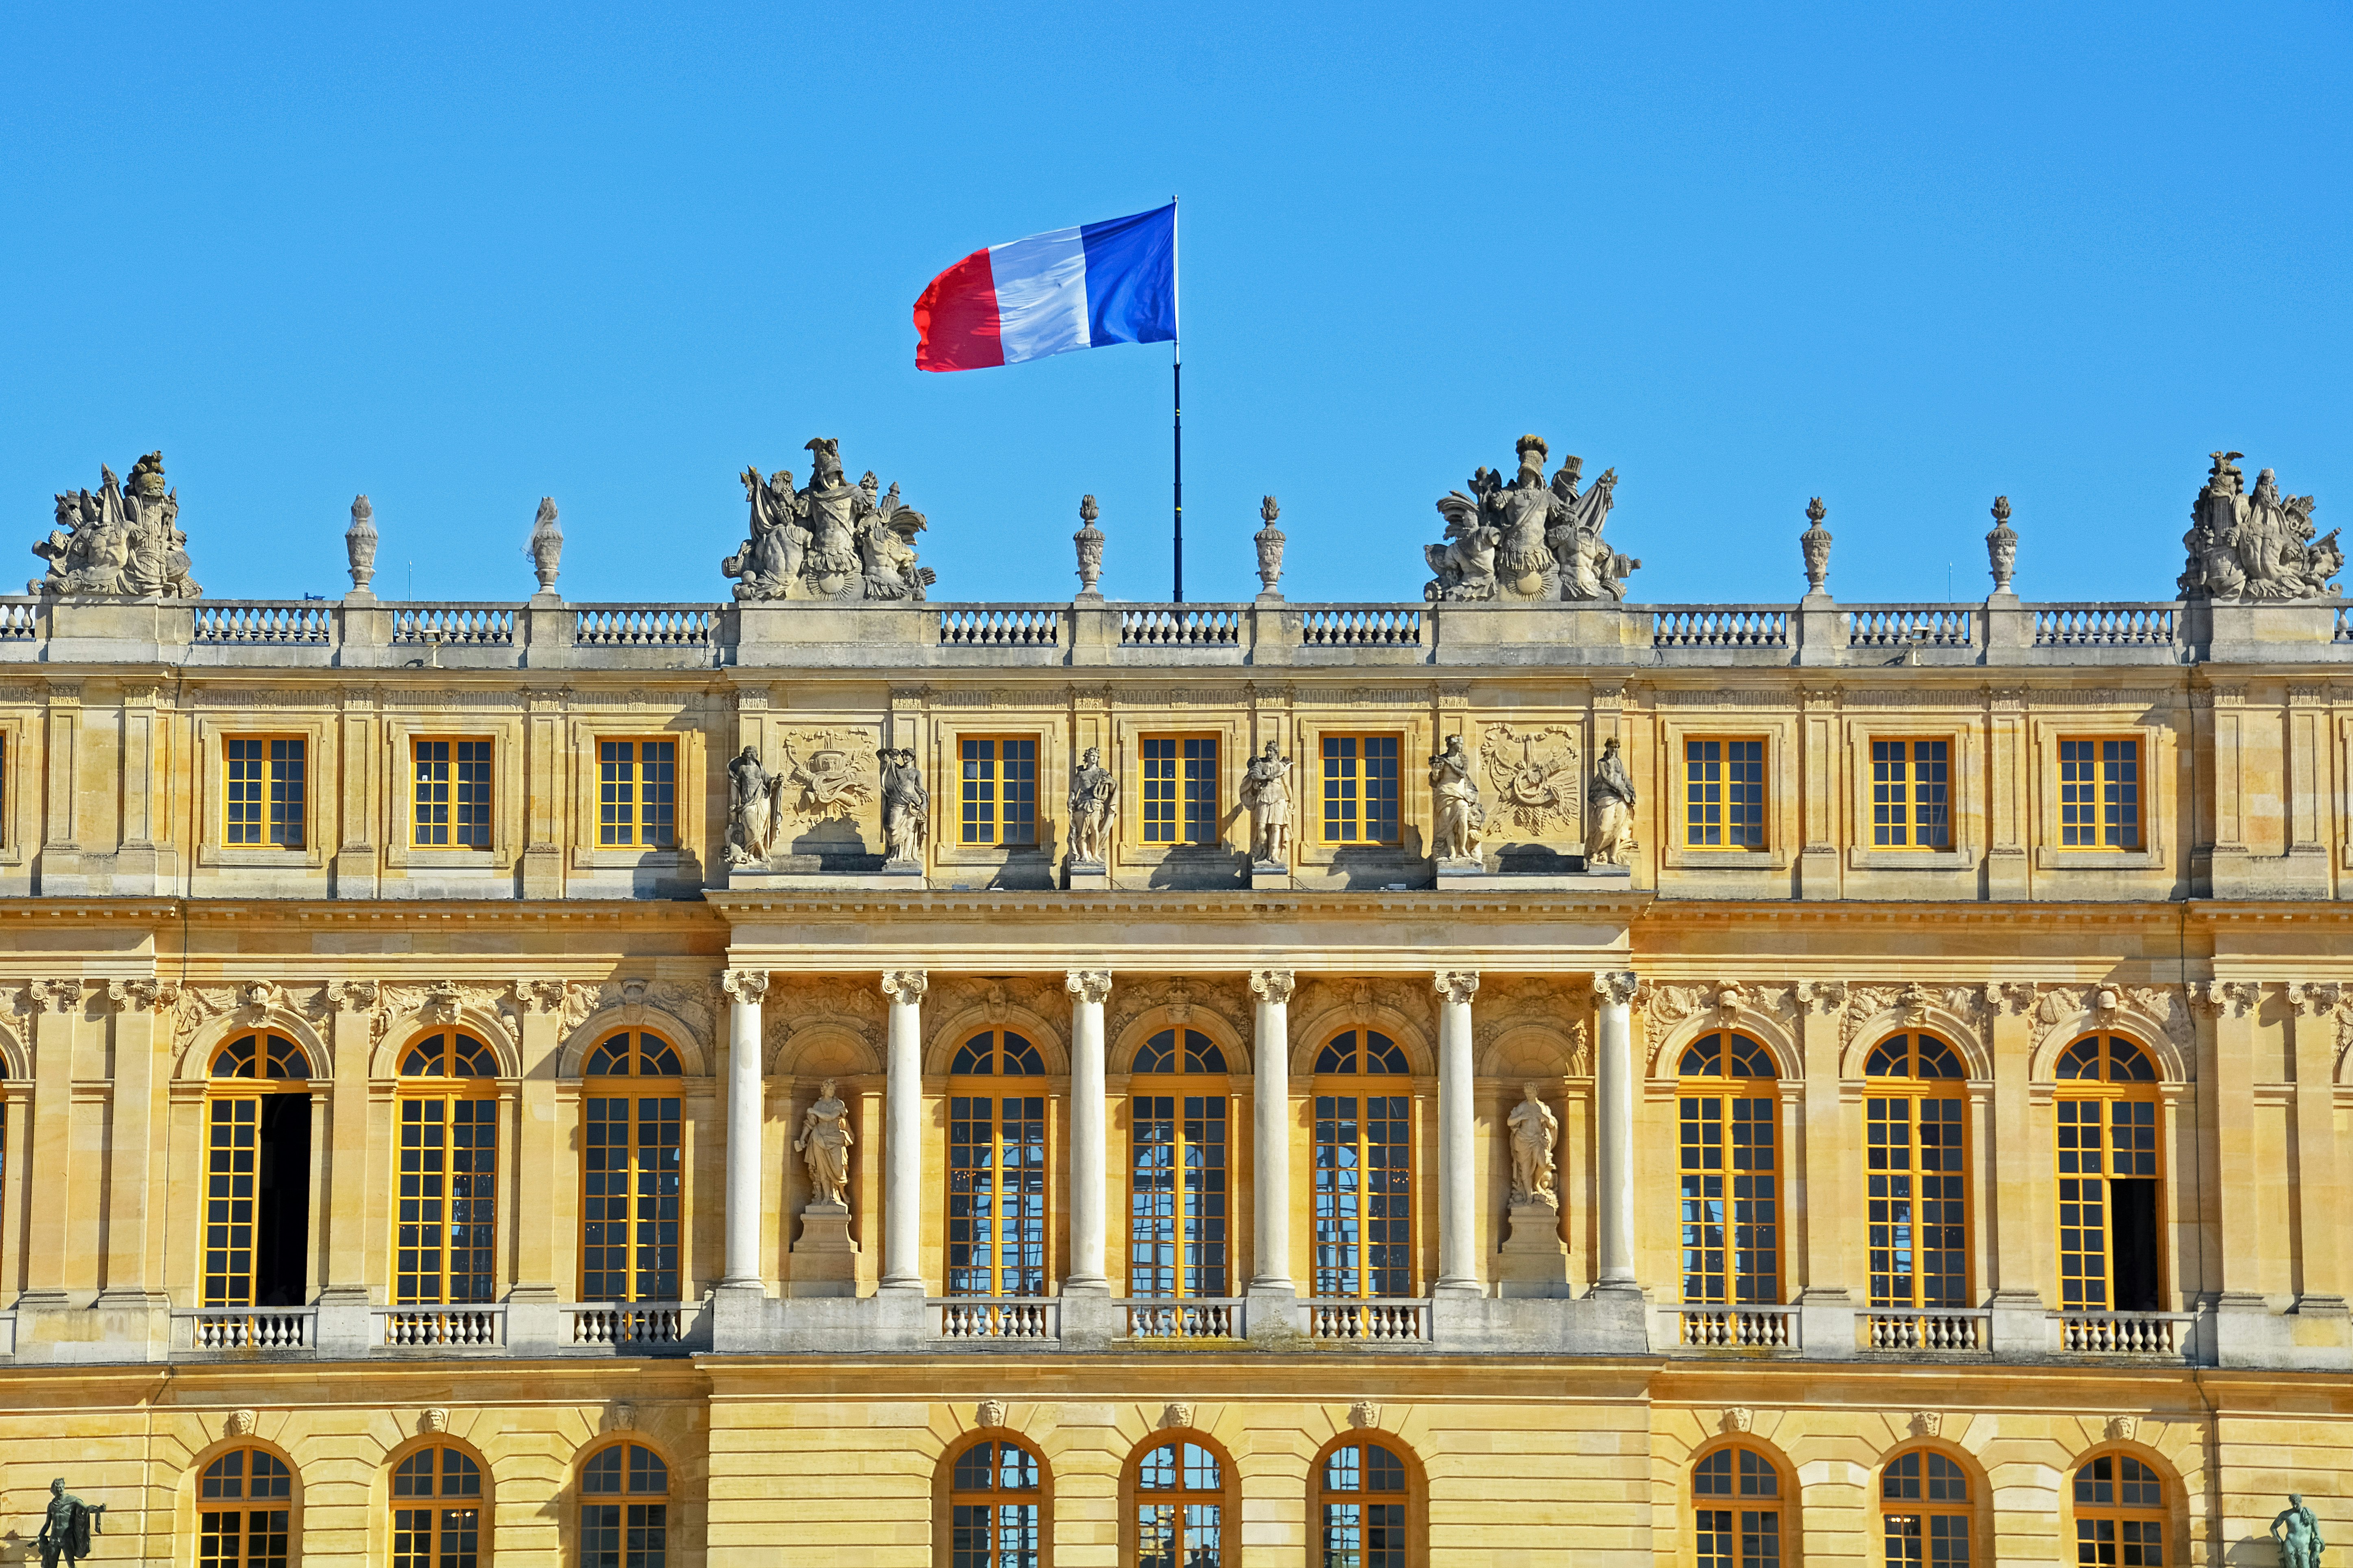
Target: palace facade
481,1085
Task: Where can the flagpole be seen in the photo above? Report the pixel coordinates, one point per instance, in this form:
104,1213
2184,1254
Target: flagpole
1176,397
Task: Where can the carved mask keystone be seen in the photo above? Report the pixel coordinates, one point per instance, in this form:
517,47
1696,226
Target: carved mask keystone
240,1422
1364,1414
1173,1415
437,1419
1928,1424
1739,1418
988,1412
2123,1428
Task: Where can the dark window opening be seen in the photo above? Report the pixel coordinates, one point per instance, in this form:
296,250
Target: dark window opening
281,1242
2134,1206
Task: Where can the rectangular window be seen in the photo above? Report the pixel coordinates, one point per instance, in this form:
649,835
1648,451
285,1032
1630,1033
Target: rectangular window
444,1229
624,1535
1364,1196
1176,1203
1724,795
999,802
996,1195
1910,794
1731,1216
264,796
1180,788
637,794
632,1192
2108,1192
450,794
249,1538
1915,1195
1360,789
2099,795
232,1171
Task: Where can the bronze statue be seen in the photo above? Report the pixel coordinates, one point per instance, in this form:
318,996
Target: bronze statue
2297,1531
68,1526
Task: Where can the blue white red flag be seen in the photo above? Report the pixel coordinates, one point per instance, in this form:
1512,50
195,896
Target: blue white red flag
1068,289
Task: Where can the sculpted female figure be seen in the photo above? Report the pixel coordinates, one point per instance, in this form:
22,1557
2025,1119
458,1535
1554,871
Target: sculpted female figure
824,1144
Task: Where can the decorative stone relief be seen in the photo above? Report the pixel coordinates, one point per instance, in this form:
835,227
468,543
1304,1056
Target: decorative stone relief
1534,773
1814,544
1459,816
1088,540
539,995
2258,546
2002,545
830,540
122,543
1364,1414
1520,541
988,1412
622,1417
1824,996
1739,1419
1910,1004
1927,1424
2159,1007
435,1419
1270,540
827,775
1173,1415
2123,1428
442,1003
239,1423
359,544
1609,836
547,546
1181,998
690,1001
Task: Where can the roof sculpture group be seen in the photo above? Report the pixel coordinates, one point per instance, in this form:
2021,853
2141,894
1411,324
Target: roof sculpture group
829,541
122,543
1522,540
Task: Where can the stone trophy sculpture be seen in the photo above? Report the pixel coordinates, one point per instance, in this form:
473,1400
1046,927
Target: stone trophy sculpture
1460,816
751,791
1266,795
1091,791
67,1526
1270,540
1535,1132
830,540
122,543
824,1145
2002,546
1609,810
2258,546
1521,540
2297,1533
359,544
906,806
1088,540
547,546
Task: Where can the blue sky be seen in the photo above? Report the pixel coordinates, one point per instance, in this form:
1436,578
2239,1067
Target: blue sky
462,257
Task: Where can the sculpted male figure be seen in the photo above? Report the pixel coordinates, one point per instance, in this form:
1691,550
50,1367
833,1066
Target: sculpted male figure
1090,787
66,1527
824,1144
1536,1131
2298,1534
1268,799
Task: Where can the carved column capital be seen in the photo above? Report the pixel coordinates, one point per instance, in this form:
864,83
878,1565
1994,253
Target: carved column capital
1457,986
353,995
744,986
2319,998
2015,996
539,995
1821,996
1616,987
140,995
906,986
1272,985
58,996
1089,984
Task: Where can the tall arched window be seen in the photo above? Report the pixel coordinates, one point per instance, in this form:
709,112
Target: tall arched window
2119,1512
1728,1115
1923,1511
1914,1169
1736,1510
244,1511
633,1180
257,1175
624,1509
445,1193
1364,1167
1180,1507
1178,1182
1364,1508
994,1499
2109,1177
437,1510
996,1168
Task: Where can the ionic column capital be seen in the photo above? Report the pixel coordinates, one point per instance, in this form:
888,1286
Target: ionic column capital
1457,986
744,986
1272,985
906,985
1090,985
1616,987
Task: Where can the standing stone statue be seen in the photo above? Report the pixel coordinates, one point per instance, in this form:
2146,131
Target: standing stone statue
752,793
1610,806
1535,1132
1091,791
906,806
2297,1531
824,1145
2002,545
547,547
1815,545
122,543
66,1527
1267,797
1090,540
1460,816
359,543
1270,540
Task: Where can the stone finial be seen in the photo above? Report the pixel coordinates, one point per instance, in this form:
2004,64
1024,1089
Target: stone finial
359,543
1815,542
988,1412
1173,1415
1090,540
1270,540
547,547
240,1422
1364,1414
2002,545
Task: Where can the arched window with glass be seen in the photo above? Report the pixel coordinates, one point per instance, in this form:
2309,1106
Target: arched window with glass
632,1171
437,1510
624,1508
1364,1167
2120,1512
997,1167
996,1498
1179,1173
444,1185
1180,1507
244,1511
1364,1508
1736,1510
257,1222
2110,1177
1916,1173
1923,1511
1728,1108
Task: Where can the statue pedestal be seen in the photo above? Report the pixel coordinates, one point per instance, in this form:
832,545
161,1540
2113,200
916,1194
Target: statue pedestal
1462,871
825,1260
1086,876
1266,877
1533,1260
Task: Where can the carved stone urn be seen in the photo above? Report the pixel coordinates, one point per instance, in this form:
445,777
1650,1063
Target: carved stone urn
546,545
1090,540
1270,542
359,542
1816,544
2002,545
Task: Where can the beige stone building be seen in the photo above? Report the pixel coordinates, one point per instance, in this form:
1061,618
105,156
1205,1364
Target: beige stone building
460,1108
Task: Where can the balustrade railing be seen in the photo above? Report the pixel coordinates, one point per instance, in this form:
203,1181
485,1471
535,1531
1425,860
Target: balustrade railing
19,620
1925,1329
1911,626
1737,1328
2344,632
994,1318
1719,625
2105,625
1360,625
440,1328
1181,626
644,625
1192,1318
2126,1333
454,625
264,1329
1001,625
1401,1320
622,1326
265,622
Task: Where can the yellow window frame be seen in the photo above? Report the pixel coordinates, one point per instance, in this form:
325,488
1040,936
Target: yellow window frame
638,793
259,811
1362,776
1717,805
466,806
1177,803
987,800
2090,815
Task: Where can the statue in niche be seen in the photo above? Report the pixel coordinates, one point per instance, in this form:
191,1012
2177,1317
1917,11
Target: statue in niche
1266,795
1521,540
1535,1132
1091,791
906,806
2297,1531
1460,816
122,543
1609,803
2258,546
824,1145
67,1526
751,791
829,539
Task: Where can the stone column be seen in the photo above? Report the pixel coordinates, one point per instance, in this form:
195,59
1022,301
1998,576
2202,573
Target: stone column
55,1005
1089,1150
902,1133
1457,1185
1271,1134
1613,1093
745,1106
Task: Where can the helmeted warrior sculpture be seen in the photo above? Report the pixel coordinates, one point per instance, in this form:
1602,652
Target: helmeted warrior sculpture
2258,546
1523,540
829,539
67,1526
122,543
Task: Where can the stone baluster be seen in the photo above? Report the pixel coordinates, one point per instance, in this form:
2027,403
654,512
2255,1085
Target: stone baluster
1090,1157
1458,1208
746,1112
1271,1134
1613,998
902,1133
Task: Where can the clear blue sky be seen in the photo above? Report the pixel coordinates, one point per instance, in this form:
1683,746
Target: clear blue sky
461,257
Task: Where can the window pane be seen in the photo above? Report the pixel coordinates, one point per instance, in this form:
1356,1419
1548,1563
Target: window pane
1340,789
1158,769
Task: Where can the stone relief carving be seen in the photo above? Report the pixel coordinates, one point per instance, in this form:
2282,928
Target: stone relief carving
1910,1004
1739,1419
1173,1416
1364,1414
1666,1007
906,806
1927,1424
1536,1131
797,1002
2123,1428
1610,836
1092,788
687,1001
1546,1005
434,1420
546,545
824,1145
833,782
240,1422
359,544
830,540
1458,815
1182,996
1270,540
2002,546
1266,795
2258,546
1520,541
988,1412
1318,996
122,543
1533,774
2160,1005
1088,540
1814,544
622,1417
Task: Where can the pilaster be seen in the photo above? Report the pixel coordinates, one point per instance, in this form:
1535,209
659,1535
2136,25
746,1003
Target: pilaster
2318,1181
1828,1196
55,1005
130,1140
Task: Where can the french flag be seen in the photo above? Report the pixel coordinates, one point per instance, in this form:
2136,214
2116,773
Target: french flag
1067,289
